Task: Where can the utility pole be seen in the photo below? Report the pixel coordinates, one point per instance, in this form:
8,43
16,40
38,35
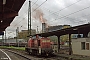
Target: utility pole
37,30
17,29
29,19
16,35
5,36
3,39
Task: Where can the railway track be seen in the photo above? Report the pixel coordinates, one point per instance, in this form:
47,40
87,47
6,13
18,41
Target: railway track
50,57
32,57
25,57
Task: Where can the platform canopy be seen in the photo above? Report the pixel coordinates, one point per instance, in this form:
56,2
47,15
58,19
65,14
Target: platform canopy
8,10
81,29
1,33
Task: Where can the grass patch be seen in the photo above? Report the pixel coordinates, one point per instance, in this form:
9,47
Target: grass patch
11,47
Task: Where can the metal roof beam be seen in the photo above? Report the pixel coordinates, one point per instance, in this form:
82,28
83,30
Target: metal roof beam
8,15
2,29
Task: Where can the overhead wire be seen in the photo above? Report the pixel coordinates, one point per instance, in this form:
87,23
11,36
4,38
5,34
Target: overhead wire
74,12
83,16
63,8
58,15
77,18
66,7
35,3
39,6
22,18
33,11
49,10
24,14
72,19
60,10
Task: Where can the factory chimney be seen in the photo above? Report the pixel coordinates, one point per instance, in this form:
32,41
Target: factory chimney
43,27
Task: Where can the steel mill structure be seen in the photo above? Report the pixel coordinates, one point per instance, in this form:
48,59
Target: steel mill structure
43,27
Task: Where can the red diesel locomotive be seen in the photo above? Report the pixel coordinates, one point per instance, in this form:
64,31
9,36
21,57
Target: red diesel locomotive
39,45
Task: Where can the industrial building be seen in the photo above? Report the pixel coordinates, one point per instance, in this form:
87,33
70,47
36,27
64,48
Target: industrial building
81,46
24,33
58,27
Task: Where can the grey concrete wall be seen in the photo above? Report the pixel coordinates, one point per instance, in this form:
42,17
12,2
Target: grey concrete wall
76,46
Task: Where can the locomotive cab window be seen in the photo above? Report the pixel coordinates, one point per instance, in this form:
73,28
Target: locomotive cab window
34,37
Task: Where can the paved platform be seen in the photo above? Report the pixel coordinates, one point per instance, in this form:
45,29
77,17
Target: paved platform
73,57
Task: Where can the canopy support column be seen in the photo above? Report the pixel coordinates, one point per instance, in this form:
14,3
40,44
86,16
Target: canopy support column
58,43
70,47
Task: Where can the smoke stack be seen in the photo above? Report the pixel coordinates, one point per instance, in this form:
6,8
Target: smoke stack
43,27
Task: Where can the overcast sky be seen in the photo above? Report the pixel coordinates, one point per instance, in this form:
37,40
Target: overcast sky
54,12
